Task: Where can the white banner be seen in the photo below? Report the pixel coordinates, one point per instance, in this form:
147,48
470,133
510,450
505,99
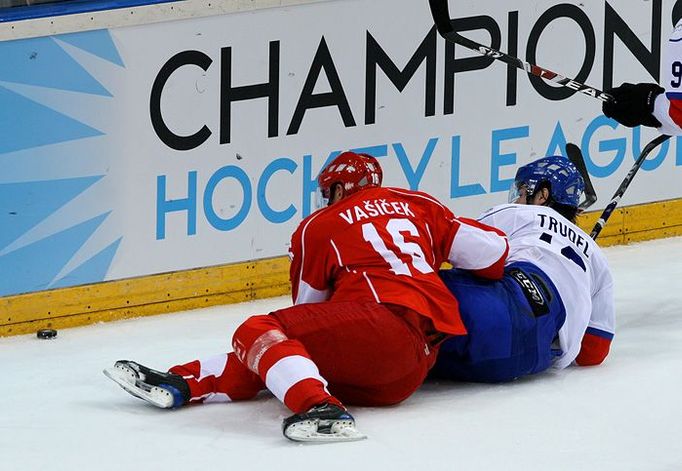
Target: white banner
164,147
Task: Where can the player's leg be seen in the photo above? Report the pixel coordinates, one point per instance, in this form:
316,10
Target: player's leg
288,371
266,357
486,353
282,363
508,337
547,325
369,353
221,378
162,389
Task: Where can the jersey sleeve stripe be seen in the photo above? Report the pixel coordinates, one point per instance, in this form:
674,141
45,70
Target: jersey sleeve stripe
338,254
428,232
675,110
371,286
599,333
492,213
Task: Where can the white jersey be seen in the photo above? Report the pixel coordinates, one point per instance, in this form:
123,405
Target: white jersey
668,105
571,259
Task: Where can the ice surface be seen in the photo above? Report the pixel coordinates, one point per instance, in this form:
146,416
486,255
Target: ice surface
59,412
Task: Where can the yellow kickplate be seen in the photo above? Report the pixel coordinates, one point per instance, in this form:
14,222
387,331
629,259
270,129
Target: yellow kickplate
143,296
637,223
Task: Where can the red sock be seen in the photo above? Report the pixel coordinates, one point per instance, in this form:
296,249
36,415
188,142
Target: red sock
283,364
219,378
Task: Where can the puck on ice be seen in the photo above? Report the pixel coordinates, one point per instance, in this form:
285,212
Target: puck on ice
46,334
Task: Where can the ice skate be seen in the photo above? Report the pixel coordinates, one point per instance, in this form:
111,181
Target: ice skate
164,390
322,423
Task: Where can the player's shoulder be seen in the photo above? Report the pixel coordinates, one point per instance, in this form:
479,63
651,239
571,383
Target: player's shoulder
506,209
404,192
413,195
313,220
552,220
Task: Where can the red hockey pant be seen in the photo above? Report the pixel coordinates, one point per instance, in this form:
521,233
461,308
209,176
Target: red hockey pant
370,354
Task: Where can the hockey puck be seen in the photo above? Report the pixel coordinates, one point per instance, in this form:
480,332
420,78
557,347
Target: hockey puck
46,334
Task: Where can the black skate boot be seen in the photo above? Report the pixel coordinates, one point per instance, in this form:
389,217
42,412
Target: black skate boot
165,390
322,423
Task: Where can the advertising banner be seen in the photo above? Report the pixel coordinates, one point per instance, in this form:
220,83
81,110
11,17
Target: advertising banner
156,148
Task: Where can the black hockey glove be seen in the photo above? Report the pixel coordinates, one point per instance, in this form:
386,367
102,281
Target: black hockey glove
633,104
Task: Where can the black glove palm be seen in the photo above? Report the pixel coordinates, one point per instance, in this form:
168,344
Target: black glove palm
634,104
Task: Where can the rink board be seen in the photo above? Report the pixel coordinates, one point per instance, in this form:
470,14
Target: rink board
172,146
189,135
192,289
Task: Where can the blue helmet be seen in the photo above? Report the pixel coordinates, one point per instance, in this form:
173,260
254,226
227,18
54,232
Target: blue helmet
566,183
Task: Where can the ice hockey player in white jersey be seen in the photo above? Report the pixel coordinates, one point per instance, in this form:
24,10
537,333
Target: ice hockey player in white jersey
650,104
554,306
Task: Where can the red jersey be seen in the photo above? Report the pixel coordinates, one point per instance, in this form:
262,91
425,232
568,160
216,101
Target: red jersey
386,245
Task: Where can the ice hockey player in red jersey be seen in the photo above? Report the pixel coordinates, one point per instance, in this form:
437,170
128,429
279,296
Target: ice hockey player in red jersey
369,309
650,104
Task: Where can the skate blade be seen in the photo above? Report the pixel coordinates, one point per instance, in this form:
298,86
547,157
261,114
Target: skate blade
127,379
307,431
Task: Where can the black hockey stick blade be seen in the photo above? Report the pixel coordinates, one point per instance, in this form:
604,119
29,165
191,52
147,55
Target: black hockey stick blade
606,214
575,155
441,17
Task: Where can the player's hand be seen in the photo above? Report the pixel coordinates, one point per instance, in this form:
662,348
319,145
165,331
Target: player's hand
634,104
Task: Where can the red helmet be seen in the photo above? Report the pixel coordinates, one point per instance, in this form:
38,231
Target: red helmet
354,171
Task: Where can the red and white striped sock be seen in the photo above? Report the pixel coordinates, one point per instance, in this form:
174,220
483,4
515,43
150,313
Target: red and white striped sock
283,364
221,378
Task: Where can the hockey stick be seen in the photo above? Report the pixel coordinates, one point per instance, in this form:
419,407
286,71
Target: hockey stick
575,155
441,17
626,182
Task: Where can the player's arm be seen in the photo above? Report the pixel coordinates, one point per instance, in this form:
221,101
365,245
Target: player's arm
479,248
651,104
634,104
597,339
668,111
308,270
594,347
465,243
668,105
647,104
